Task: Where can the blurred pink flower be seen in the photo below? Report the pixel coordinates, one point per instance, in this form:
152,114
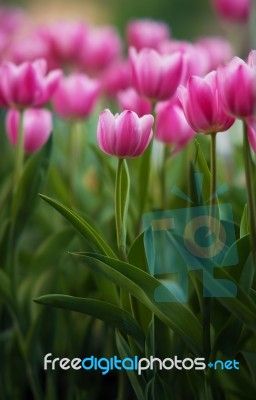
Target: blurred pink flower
27,85
37,126
30,48
124,135
146,33
115,78
76,96
172,127
218,50
64,40
233,10
237,86
156,76
197,62
129,99
101,47
202,105
251,125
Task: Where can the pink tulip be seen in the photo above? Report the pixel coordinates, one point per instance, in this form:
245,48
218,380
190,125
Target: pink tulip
64,40
76,96
237,87
233,10
197,62
156,76
130,100
146,33
27,85
101,47
115,78
30,48
217,50
202,106
37,127
124,135
251,125
172,127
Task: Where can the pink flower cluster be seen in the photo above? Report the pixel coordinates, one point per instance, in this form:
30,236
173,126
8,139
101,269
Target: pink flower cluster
191,87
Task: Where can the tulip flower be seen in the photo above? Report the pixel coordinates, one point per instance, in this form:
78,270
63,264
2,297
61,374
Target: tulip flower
202,105
233,10
27,85
76,96
130,100
156,76
172,127
124,135
30,48
217,50
101,47
237,87
146,33
37,127
64,40
197,62
115,78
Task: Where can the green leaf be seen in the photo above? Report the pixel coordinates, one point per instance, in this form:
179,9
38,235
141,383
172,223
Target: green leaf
137,255
51,249
138,382
144,177
142,286
5,286
158,389
106,312
201,166
31,181
244,226
82,226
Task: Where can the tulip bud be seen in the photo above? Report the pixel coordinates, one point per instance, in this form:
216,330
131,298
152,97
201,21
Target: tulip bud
124,135
130,100
27,85
172,127
202,106
233,10
156,76
146,33
237,87
37,127
76,96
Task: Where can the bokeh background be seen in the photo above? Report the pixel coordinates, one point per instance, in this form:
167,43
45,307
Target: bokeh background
188,18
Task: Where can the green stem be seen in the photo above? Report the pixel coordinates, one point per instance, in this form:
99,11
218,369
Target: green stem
207,303
250,191
213,168
74,153
19,154
163,176
122,386
121,207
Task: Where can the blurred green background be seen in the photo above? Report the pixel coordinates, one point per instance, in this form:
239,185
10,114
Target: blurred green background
188,18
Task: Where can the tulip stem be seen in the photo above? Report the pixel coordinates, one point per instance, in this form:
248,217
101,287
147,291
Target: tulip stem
19,154
207,303
163,176
122,191
250,191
